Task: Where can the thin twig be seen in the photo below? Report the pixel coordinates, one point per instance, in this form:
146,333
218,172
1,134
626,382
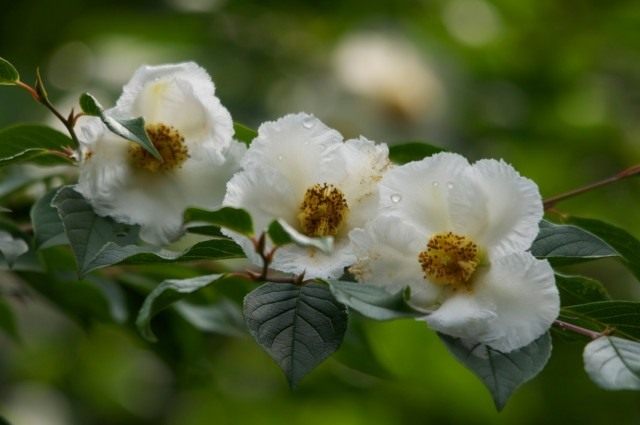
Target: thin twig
580,330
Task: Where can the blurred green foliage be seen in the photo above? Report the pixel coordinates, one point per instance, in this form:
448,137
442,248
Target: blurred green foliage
550,86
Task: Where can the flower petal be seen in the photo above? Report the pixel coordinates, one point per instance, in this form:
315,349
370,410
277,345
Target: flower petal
512,303
418,191
508,220
387,256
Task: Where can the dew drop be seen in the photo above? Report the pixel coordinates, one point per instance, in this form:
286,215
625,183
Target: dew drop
450,185
435,184
395,198
308,123
280,157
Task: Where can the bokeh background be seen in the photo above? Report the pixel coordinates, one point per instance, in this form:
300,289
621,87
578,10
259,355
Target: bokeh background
551,86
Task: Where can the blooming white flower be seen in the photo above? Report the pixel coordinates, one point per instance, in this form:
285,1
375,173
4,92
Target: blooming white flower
191,130
300,170
457,235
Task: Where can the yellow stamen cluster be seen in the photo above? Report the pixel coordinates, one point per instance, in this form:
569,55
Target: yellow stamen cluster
169,143
323,210
450,260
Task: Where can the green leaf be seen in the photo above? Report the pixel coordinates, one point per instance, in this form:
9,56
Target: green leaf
9,75
235,219
47,226
501,373
132,129
223,317
413,151
87,232
613,363
32,143
90,105
579,290
372,301
281,233
212,249
626,245
567,243
165,294
8,322
298,326
356,351
244,133
623,316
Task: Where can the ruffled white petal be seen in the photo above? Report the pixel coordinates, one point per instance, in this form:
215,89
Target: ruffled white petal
417,192
513,302
387,256
508,220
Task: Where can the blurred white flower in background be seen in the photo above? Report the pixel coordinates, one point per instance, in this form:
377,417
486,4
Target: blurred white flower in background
457,235
302,171
191,130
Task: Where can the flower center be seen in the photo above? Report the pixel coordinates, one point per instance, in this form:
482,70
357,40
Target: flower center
168,141
450,260
323,210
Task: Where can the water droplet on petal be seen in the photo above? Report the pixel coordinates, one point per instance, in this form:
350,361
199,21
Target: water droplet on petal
450,185
435,184
308,123
396,197
280,157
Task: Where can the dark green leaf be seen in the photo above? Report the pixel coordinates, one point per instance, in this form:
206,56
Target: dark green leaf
373,301
47,225
165,294
281,233
501,373
7,321
244,133
223,317
579,290
613,363
234,219
626,245
414,151
32,143
567,243
9,75
298,326
623,316
87,232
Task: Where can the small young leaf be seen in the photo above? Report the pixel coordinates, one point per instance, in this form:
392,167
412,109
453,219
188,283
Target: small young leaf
281,233
623,316
235,219
579,290
47,225
414,151
90,105
244,133
8,73
87,232
132,129
501,373
373,301
298,326
613,363
32,143
165,294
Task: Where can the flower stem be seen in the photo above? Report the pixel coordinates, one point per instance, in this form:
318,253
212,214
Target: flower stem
579,329
629,172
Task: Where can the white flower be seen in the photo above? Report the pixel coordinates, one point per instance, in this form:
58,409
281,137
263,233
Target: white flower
300,170
457,234
191,130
